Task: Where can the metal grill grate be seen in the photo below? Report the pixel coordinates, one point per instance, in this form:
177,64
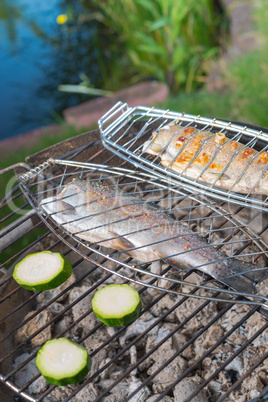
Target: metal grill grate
174,334
104,222
119,134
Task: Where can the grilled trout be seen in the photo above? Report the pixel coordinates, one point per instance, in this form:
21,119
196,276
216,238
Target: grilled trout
204,156
112,218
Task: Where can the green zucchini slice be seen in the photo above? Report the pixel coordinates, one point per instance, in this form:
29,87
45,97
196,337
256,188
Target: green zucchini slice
63,362
42,271
116,305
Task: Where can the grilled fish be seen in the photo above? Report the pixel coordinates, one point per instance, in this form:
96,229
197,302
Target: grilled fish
112,218
204,156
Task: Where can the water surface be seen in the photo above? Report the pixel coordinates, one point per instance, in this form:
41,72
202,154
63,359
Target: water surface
37,55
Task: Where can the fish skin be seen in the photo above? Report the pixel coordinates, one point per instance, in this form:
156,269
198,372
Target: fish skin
177,146
98,213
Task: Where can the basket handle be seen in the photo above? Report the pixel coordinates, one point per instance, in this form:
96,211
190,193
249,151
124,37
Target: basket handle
116,109
37,170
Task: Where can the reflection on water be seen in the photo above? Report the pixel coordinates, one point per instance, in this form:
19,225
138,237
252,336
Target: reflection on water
37,54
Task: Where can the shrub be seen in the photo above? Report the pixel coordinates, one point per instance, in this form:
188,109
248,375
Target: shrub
169,40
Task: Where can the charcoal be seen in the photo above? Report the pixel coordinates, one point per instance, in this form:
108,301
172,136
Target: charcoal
138,327
82,307
27,372
185,388
47,295
32,326
142,394
154,397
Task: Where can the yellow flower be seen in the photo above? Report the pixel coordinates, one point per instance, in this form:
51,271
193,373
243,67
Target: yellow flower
62,18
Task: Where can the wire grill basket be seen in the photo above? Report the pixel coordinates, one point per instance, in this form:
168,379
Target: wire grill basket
217,225
119,134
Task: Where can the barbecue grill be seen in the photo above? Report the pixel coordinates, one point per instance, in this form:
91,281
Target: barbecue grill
194,335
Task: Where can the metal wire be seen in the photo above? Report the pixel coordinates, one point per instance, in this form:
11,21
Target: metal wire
115,175
118,137
222,227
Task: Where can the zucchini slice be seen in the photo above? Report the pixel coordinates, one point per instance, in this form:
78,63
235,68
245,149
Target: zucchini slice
63,362
116,305
42,271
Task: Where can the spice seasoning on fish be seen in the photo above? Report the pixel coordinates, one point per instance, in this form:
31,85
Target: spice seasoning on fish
263,158
247,152
203,155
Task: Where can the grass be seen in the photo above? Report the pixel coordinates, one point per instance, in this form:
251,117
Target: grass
244,98
244,83
202,103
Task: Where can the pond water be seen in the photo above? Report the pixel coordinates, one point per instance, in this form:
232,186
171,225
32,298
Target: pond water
36,55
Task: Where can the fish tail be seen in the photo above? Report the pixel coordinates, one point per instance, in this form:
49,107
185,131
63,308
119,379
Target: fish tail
257,275
239,283
244,277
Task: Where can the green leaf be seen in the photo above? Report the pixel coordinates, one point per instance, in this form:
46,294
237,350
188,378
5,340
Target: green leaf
84,90
152,49
162,22
149,6
179,55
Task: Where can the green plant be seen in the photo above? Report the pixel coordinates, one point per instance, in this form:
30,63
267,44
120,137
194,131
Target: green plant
201,103
10,16
85,87
166,39
246,80
244,97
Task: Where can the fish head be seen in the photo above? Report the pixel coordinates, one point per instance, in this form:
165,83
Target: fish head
63,207
161,140
153,147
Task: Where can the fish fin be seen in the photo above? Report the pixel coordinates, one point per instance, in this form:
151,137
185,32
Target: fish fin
66,208
123,243
256,275
219,175
245,276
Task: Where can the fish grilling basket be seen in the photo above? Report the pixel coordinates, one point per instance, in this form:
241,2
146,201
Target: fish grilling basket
195,330
237,151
